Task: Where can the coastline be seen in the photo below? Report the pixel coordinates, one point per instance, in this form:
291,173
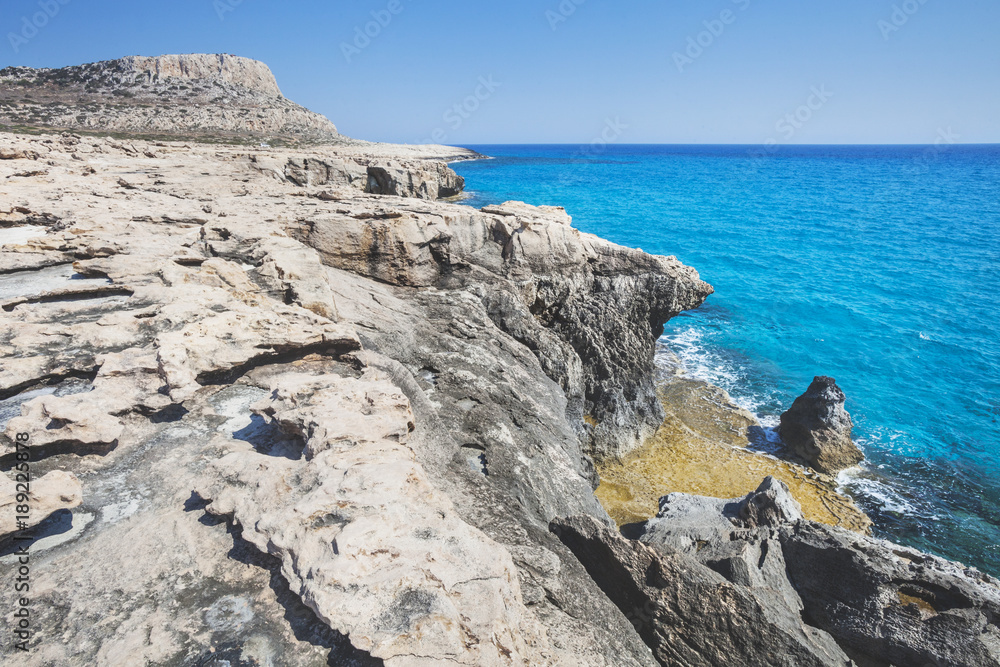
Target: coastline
705,447
328,397
304,404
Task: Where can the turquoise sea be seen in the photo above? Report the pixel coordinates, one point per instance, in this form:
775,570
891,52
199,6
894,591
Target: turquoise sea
878,265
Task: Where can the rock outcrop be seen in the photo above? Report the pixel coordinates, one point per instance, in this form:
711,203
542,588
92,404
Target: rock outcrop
817,428
687,613
555,290
377,425
840,593
293,408
364,537
198,96
709,445
250,74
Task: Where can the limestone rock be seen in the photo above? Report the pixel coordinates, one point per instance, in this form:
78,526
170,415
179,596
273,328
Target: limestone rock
555,289
69,420
818,428
365,539
316,170
684,611
723,535
770,505
191,95
297,273
891,604
250,74
57,490
175,306
884,604
434,181
385,399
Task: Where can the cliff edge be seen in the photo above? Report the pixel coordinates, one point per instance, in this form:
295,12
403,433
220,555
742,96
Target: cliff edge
314,410
293,406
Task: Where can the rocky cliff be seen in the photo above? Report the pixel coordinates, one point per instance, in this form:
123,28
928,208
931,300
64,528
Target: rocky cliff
310,419
197,96
292,407
711,579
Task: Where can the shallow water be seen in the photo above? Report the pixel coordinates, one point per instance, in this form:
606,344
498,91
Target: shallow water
877,265
702,448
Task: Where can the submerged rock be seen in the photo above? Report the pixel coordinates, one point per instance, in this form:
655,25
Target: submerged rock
818,428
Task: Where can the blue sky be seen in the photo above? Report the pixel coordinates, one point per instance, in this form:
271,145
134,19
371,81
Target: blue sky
566,71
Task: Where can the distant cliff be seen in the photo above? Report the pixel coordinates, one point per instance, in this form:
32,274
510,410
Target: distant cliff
197,96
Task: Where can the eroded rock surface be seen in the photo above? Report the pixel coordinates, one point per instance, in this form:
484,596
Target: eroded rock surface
817,428
58,490
882,603
364,537
379,458
216,96
687,613
557,291
320,416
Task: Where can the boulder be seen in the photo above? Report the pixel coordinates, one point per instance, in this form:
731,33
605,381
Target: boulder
817,428
887,604
884,604
685,612
771,505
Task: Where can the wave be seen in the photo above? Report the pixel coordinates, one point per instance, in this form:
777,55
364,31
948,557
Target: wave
688,350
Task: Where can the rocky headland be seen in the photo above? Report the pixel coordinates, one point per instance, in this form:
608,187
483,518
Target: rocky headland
292,406
198,96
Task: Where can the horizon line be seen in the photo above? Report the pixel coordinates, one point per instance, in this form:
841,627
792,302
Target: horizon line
779,146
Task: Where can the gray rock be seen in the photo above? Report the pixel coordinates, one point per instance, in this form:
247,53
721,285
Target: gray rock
721,535
428,181
817,428
186,96
322,363
222,307
883,604
890,604
687,613
769,506
591,311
